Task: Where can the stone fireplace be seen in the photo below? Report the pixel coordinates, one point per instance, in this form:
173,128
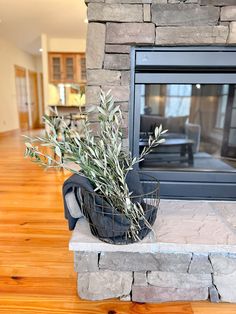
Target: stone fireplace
117,29
192,254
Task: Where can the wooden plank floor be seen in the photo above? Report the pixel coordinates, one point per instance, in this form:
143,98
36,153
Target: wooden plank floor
36,268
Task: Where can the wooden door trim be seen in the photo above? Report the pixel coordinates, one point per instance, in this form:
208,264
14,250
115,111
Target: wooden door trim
23,70
30,72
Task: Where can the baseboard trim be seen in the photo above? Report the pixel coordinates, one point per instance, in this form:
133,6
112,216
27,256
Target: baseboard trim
11,132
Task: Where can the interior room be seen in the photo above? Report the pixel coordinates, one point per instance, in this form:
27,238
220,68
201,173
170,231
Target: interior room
118,156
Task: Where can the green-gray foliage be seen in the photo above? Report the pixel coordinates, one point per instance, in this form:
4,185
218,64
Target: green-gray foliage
99,156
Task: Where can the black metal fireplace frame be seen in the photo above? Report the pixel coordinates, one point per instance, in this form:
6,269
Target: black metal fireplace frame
201,64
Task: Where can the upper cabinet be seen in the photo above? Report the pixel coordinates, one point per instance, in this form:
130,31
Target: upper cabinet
67,68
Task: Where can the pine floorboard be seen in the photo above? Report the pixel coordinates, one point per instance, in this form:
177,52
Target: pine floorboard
36,268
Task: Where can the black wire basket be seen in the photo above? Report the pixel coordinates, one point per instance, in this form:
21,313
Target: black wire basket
111,226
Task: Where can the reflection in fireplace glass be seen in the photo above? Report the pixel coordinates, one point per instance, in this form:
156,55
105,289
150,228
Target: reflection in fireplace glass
201,123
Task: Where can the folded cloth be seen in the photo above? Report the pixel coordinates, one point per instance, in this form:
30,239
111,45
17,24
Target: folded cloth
72,194
105,221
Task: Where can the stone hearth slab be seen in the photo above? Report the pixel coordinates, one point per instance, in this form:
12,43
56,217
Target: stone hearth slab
181,226
191,255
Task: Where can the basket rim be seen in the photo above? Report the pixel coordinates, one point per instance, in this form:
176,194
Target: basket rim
156,189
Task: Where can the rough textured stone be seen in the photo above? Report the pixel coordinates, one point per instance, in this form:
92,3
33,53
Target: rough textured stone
232,40
181,14
126,298
117,49
130,33
223,264
117,62
92,94
214,295
147,12
179,280
123,105
180,1
191,35
217,2
104,285
125,78
94,1
157,294
115,12
85,262
95,45
228,13
119,93
130,1
145,262
140,279
226,286
103,77
200,264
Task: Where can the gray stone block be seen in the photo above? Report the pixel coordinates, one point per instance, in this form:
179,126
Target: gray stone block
178,262
130,33
228,13
117,62
92,94
94,1
125,78
191,35
147,12
130,1
140,279
158,294
95,45
104,285
85,262
103,77
115,12
223,264
123,105
180,1
200,264
226,286
179,280
232,33
117,49
214,295
126,298
217,2
181,14
119,93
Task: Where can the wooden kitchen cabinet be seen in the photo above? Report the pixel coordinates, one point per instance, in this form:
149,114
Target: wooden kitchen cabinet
67,68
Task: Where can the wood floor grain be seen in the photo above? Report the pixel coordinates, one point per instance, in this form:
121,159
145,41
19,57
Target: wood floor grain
36,268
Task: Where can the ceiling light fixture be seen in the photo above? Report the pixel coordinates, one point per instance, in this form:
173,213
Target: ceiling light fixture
40,49
86,21
198,86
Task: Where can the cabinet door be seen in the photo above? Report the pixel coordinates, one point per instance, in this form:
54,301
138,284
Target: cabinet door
81,68
56,64
69,68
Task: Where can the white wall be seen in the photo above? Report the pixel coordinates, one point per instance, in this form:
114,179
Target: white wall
66,45
9,57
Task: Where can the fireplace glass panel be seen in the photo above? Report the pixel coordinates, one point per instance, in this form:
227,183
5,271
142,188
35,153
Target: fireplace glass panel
201,123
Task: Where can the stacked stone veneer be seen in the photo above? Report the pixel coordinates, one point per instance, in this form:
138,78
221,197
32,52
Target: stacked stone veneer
159,277
117,25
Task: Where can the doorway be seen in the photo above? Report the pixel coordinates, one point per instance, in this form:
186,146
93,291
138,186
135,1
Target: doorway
22,98
34,105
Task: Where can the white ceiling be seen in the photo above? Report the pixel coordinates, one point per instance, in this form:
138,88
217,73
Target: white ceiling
23,21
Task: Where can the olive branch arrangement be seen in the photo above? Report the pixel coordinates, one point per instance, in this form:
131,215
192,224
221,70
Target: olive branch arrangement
100,156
